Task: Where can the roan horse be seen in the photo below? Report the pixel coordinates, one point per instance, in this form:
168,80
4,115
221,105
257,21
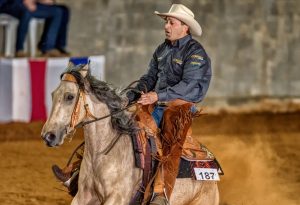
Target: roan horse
108,178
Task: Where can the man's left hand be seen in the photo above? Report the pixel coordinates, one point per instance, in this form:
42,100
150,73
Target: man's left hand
148,98
46,2
30,5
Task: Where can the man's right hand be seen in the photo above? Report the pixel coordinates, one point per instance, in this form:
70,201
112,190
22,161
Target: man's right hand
148,98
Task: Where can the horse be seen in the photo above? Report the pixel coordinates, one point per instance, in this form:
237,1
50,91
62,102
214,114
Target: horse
108,175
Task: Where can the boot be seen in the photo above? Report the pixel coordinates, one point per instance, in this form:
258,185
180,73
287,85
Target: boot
60,174
52,53
21,54
65,174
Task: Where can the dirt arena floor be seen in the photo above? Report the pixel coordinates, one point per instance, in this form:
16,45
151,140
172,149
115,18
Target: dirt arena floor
259,152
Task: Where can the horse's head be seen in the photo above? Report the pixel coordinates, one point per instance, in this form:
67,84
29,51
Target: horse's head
71,103
67,106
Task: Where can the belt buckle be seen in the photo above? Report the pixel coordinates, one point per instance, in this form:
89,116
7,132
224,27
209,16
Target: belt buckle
162,103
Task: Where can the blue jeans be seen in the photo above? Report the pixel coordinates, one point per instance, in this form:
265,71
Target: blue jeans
158,113
55,29
61,39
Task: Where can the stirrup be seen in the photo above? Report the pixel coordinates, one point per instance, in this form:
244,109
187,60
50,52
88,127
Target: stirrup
68,182
157,199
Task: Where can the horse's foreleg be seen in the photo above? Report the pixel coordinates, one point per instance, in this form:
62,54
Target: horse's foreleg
85,199
114,199
75,200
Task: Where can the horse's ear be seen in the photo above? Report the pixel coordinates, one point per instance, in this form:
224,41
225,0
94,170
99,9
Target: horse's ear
71,64
84,70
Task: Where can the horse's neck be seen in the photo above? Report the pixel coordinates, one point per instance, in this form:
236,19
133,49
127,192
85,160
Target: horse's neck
98,137
97,134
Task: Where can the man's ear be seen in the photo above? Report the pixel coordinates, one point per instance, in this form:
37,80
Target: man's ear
187,29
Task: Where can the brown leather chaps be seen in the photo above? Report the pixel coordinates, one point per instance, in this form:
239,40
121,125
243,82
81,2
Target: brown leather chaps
177,120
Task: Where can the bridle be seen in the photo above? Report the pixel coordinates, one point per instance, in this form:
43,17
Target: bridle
81,98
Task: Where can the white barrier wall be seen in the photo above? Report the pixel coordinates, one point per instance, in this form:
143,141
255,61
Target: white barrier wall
22,80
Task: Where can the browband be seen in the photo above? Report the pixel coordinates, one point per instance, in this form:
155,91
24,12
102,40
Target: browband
69,77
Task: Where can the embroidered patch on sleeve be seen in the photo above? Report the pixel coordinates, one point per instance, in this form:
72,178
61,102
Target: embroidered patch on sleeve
178,61
198,57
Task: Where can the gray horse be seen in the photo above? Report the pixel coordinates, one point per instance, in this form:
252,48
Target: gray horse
108,174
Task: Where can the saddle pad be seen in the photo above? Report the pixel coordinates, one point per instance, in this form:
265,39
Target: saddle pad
186,169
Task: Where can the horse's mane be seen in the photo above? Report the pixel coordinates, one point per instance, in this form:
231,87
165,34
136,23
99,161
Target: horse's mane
121,121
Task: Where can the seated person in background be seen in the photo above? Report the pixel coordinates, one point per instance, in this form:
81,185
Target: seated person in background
53,40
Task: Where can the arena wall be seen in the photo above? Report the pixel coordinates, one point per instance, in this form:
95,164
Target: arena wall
254,45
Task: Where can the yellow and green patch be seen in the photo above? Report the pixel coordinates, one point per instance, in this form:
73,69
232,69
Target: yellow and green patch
178,61
195,63
198,57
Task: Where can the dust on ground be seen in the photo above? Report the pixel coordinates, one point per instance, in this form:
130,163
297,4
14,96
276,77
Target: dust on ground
259,154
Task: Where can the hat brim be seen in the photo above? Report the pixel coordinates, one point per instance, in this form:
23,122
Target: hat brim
194,26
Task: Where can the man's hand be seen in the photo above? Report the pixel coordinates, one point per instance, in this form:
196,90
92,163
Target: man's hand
30,5
148,98
47,2
125,102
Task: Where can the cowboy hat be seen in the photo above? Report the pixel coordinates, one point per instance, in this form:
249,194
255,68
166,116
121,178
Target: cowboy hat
185,15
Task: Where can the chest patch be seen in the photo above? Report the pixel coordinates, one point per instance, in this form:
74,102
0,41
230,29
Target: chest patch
178,61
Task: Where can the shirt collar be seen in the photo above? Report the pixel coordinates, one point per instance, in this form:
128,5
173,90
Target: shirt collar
180,42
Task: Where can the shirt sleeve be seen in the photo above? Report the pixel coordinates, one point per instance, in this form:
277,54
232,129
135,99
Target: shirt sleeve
148,81
195,79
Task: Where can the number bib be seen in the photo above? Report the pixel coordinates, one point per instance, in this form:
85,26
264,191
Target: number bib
206,174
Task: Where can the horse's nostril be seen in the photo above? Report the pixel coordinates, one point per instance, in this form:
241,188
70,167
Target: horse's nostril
49,137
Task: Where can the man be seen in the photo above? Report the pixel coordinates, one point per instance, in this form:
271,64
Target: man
179,69
53,40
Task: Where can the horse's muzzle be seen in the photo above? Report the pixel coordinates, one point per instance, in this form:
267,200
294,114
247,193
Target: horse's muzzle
50,139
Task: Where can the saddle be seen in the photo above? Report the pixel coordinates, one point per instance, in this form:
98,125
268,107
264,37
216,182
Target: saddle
158,149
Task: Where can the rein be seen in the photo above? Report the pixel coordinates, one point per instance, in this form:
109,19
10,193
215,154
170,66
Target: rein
81,124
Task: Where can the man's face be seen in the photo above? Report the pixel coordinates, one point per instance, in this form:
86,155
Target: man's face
175,29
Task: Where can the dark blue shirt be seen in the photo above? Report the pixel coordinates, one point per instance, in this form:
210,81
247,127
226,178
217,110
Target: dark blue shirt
179,71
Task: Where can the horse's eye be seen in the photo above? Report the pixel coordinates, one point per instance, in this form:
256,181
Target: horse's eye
69,97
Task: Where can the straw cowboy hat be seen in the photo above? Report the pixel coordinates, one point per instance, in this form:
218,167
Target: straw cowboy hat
185,15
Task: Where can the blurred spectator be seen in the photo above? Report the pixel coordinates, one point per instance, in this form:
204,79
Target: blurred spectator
54,37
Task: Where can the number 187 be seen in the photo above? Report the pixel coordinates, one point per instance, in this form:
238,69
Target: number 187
207,175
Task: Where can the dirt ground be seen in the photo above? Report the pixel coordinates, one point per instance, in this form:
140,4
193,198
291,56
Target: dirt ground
259,153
